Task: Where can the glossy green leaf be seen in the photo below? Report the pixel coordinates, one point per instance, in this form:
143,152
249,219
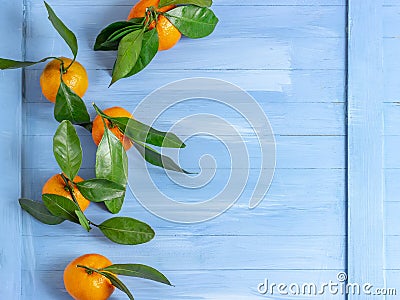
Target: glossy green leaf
143,133
109,38
68,36
117,283
112,164
15,64
83,220
99,190
137,270
128,53
114,43
39,211
69,106
119,34
147,53
67,149
61,207
127,231
140,132
153,157
201,3
111,159
193,21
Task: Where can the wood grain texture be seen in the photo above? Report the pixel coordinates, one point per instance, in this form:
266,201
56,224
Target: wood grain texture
286,120
269,86
391,113
205,284
309,21
215,3
365,145
290,55
292,152
10,151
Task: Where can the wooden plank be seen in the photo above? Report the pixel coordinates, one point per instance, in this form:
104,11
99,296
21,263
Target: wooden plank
56,3
365,145
390,24
198,252
392,159
391,3
288,119
217,53
314,151
11,20
391,64
392,252
392,188
391,117
392,209
205,285
278,86
269,21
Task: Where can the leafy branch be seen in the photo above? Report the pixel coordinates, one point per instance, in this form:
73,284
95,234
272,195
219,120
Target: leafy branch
137,41
132,270
56,209
69,106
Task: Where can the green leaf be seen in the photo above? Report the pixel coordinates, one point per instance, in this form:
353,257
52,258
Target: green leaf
83,220
114,42
128,53
140,132
119,34
107,38
137,270
143,133
126,231
67,149
69,106
99,190
201,3
117,283
112,164
193,21
39,211
153,157
147,53
61,207
68,36
15,64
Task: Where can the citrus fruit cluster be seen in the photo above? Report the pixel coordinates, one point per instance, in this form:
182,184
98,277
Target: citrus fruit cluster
154,25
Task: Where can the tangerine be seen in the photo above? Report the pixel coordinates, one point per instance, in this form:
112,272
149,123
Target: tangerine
75,78
168,34
56,185
83,284
98,126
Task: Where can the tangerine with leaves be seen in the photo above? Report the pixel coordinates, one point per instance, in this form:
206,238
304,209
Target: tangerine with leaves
98,126
168,34
56,185
74,76
83,284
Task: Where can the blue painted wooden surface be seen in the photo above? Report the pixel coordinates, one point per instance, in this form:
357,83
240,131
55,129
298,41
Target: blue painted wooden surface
366,245
10,152
290,55
392,141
